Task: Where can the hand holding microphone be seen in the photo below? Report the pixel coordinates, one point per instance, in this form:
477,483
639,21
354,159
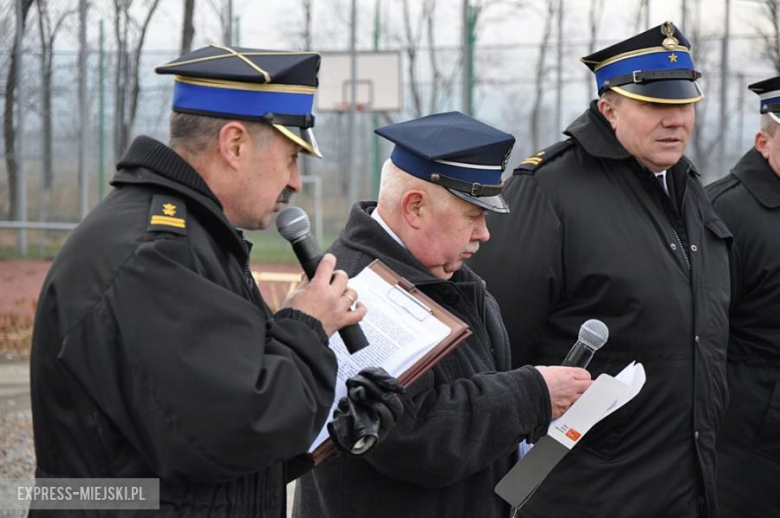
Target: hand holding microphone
327,293
567,383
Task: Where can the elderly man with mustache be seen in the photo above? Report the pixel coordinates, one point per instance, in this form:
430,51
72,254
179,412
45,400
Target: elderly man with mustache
463,420
613,224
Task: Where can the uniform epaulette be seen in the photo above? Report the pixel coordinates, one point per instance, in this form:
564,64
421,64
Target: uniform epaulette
534,161
167,214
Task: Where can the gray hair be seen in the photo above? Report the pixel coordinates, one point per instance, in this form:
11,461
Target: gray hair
395,182
194,133
611,97
768,124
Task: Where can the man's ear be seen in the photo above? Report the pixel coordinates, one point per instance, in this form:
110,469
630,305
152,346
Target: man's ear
233,141
412,205
607,109
761,141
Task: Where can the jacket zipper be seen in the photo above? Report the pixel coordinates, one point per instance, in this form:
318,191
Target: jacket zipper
682,218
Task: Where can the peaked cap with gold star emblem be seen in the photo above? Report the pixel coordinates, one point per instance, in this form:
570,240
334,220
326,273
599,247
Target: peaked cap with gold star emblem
654,66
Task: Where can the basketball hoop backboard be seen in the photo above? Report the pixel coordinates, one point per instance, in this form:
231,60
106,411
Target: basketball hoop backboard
379,86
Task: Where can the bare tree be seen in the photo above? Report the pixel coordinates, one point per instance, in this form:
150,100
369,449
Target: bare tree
47,32
702,143
594,22
187,28
771,50
412,36
307,9
9,130
127,69
542,70
642,21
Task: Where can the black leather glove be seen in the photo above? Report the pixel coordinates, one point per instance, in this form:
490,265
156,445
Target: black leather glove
372,407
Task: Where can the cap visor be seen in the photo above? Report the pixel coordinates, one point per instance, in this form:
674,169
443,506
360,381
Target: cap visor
665,92
302,137
492,203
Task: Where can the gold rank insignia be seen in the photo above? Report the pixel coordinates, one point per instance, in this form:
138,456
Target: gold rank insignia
534,159
167,214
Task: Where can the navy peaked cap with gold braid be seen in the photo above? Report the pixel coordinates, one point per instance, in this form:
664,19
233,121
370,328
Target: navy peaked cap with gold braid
654,66
460,153
249,84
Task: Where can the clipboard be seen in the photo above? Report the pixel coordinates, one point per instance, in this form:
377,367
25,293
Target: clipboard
420,304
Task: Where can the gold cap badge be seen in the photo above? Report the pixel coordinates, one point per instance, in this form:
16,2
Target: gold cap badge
670,42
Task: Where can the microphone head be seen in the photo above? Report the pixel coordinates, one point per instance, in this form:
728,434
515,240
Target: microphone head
594,334
293,224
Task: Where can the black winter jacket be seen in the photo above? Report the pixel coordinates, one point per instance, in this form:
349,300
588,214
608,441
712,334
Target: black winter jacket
748,200
462,420
154,354
593,235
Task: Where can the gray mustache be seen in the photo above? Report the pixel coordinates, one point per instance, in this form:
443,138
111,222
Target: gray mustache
285,196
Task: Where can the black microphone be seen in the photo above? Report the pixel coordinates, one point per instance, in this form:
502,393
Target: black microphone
293,224
593,334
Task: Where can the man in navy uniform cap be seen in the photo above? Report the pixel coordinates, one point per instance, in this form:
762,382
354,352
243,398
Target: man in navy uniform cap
154,354
613,224
464,419
748,200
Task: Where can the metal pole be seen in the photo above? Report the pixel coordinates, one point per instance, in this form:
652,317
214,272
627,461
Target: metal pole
21,183
353,177
724,78
102,118
684,14
375,118
741,120
559,73
229,24
466,51
83,107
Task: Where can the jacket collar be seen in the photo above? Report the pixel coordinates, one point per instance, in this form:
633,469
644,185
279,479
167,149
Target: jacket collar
759,179
593,132
364,234
151,154
150,162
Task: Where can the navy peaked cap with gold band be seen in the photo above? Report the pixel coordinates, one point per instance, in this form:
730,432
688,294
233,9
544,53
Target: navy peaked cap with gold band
654,66
768,92
455,151
249,84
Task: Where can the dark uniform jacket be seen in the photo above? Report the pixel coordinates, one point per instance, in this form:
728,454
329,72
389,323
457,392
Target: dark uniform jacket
462,421
593,235
748,200
154,354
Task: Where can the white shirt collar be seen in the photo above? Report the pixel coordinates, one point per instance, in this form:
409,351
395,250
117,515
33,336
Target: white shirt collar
662,176
376,217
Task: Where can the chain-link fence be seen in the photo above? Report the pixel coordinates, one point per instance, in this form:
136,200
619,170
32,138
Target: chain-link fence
509,82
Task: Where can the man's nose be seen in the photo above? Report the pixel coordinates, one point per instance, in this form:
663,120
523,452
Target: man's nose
673,116
481,233
295,183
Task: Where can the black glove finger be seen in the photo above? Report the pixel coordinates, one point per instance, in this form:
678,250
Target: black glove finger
364,389
342,407
382,379
385,417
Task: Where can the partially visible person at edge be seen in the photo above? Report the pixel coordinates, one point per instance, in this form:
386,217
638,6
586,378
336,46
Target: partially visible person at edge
613,224
748,200
154,354
464,419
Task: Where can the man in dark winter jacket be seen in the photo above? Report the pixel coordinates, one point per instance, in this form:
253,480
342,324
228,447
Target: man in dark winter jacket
464,419
614,224
154,354
748,200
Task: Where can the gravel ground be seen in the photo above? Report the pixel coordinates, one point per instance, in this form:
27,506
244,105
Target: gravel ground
17,455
